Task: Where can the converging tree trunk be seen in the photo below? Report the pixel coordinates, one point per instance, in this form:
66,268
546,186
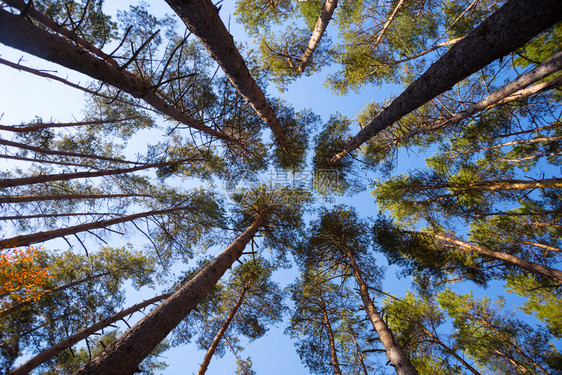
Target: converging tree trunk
319,29
67,343
17,32
123,356
397,356
221,332
202,18
535,268
509,28
331,339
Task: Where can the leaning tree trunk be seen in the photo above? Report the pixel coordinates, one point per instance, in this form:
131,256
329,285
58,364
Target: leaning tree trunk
202,18
396,355
509,28
32,238
512,91
212,349
496,185
17,32
56,349
317,33
331,340
123,356
60,197
535,268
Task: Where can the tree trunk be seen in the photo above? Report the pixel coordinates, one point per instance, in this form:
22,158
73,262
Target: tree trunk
358,349
17,32
317,33
202,18
220,334
535,268
512,91
331,340
22,304
44,216
496,185
11,182
56,349
124,355
34,127
32,238
397,356
45,151
509,28
387,24
56,197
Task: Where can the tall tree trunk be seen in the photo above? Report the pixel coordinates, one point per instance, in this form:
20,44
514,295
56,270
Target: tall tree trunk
202,18
497,185
60,197
512,91
49,125
60,288
331,340
45,151
397,356
358,350
535,268
124,355
317,33
507,29
32,238
17,32
221,332
11,182
56,349
387,24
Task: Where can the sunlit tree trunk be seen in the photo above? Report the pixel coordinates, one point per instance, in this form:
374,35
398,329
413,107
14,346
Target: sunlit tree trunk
221,332
123,356
509,28
331,339
317,33
397,356
56,349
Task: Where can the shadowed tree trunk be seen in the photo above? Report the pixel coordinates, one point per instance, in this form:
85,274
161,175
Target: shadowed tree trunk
56,349
397,356
317,33
57,197
202,18
509,28
331,340
32,238
535,268
17,32
220,334
123,356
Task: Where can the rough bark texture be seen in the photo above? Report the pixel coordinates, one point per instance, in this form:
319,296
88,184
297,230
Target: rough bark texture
30,239
202,18
220,333
56,349
17,32
509,28
317,33
331,340
124,355
512,91
535,268
396,355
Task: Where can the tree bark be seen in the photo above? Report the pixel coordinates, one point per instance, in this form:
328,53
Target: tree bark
60,197
17,32
34,127
512,91
495,185
29,239
202,18
535,268
509,28
317,33
56,349
397,356
387,24
123,356
331,340
221,332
